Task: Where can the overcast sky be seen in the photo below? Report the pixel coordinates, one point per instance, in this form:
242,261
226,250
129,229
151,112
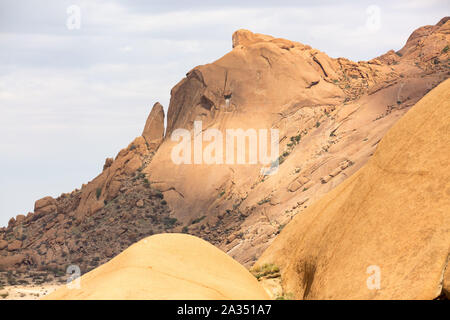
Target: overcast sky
69,98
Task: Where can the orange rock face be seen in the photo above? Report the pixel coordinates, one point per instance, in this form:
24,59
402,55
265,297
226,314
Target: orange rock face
106,185
384,232
330,113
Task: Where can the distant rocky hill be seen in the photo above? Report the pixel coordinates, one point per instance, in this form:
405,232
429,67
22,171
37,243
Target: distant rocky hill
331,114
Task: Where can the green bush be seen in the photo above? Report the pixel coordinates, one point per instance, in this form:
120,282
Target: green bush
98,193
268,270
169,222
262,201
198,220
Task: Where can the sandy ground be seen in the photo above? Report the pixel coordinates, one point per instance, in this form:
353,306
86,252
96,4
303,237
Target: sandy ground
27,292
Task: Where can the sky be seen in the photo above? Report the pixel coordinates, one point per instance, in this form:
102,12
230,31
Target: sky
78,78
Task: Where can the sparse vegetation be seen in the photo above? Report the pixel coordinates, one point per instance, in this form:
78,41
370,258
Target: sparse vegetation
268,270
98,193
287,296
169,222
445,49
221,194
262,201
198,220
294,140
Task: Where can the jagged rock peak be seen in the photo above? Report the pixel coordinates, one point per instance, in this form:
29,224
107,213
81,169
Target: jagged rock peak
244,38
428,42
154,127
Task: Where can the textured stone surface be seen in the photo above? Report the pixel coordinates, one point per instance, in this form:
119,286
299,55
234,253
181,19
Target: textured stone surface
330,113
394,213
154,126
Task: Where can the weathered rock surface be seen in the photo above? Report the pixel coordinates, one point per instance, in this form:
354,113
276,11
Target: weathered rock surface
154,127
330,113
14,245
3,244
167,266
393,214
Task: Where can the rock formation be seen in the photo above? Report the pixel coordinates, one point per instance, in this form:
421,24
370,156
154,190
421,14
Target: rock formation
167,266
154,127
331,114
390,217
88,227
